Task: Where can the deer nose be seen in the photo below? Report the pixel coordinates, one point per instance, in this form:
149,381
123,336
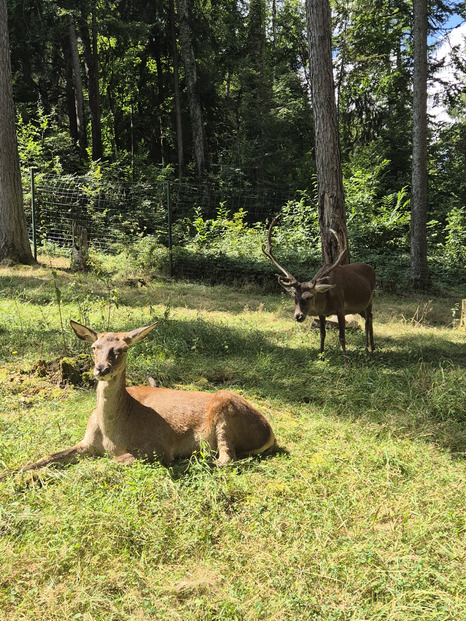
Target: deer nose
299,317
101,369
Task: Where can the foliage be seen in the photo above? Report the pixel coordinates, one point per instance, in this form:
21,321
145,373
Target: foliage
228,244
455,243
360,514
145,255
373,58
128,221
42,144
378,225
253,87
447,185
451,256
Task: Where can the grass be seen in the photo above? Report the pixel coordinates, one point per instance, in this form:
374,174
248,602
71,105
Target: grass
359,515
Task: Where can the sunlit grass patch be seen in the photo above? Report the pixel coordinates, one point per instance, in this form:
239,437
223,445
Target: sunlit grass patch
358,515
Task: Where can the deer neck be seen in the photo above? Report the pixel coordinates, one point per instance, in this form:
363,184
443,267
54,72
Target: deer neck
113,400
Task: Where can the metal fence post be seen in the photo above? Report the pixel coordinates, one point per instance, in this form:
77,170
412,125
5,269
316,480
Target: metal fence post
169,224
33,214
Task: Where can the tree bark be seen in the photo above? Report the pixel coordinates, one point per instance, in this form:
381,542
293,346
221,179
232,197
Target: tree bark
189,60
419,267
176,79
463,314
69,89
14,241
78,87
92,71
332,214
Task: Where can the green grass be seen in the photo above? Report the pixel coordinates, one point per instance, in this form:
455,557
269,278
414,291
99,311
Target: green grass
359,515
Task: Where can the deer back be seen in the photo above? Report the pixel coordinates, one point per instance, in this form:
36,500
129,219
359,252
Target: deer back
346,289
355,283
173,423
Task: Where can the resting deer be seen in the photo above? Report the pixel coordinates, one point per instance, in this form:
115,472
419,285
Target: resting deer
335,290
147,422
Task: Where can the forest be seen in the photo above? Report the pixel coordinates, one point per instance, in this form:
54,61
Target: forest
172,133
218,94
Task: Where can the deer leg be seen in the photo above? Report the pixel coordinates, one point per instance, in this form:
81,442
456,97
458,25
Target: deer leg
224,433
125,459
226,451
367,314
67,456
341,330
322,322
369,332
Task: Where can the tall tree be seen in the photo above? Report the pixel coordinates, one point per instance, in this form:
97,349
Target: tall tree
14,242
89,39
195,110
373,68
419,268
256,84
331,198
176,86
77,86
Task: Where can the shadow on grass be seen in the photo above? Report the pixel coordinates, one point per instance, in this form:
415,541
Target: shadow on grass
415,380
434,349
41,290
188,468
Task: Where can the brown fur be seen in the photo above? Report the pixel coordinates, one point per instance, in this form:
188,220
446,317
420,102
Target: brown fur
348,289
143,421
335,290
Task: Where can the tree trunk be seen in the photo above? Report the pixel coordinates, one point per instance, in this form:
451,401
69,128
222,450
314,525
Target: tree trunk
463,314
92,72
79,249
70,102
176,79
14,241
195,110
331,198
256,100
419,268
78,87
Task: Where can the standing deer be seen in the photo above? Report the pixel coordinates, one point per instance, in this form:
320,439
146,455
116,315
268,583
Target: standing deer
143,421
347,289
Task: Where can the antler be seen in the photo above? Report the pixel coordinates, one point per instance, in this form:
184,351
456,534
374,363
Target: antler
290,280
326,269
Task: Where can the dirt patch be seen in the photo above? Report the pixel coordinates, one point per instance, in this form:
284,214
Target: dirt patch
75,370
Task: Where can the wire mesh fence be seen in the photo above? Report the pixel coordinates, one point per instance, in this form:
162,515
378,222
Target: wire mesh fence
208,232
110,212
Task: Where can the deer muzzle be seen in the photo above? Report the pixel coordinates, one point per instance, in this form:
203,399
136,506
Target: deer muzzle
101,370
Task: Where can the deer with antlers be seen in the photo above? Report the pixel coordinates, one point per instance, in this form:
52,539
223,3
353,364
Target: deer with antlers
147,422
334,290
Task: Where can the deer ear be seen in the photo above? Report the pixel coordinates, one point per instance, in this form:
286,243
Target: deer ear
137,335
323,288
83,333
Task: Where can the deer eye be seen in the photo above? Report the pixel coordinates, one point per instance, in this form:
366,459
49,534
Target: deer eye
306,296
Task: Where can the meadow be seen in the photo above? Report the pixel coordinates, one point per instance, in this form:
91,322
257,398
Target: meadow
359,514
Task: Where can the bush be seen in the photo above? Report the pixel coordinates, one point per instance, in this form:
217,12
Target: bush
229,249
